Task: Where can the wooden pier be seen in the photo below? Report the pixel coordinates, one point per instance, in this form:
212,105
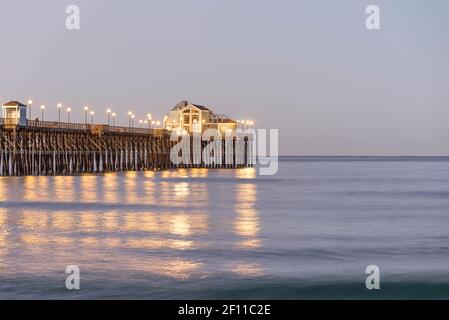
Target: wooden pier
55,148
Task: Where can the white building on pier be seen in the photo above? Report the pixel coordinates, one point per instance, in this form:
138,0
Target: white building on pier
197,118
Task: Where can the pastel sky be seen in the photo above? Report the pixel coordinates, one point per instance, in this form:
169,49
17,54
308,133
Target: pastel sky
309,68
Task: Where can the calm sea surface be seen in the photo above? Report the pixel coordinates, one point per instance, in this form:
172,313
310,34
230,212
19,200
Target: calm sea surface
307,232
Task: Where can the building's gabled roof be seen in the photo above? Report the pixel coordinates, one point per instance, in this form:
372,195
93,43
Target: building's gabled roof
185,103
14,104
200,107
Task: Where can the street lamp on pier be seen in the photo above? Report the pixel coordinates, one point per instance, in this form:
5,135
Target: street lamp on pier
113,119
43,111
59,111
129,118
68,114
86,108
30,102
92,113
109,116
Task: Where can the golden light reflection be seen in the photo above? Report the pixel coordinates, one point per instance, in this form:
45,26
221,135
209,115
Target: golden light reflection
164,194
90,242
185,173
110,192
187,224
246,224
177,244
177,268
199,173
62,220
35,220
180,225
111,221
43,190
246,269
181,190
246,195
149,222
31,191
61,185
35,239
62,240
28,188
131,174
131,222
149,174
246,173
160,243
149,187
89,221
200,190
180,269
179,173
175,194
131,188
111,242
251,243
88,188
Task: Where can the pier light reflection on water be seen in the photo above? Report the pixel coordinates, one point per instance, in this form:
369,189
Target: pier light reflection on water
310,231
180,224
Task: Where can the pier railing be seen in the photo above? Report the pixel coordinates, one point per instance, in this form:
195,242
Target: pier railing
57,125
97,128
94,128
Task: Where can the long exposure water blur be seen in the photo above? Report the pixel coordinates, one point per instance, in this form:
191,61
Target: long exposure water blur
307,232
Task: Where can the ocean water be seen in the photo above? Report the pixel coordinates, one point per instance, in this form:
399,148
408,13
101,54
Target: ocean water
308,232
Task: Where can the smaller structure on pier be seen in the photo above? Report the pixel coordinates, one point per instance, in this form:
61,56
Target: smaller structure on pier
14,113
197,118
